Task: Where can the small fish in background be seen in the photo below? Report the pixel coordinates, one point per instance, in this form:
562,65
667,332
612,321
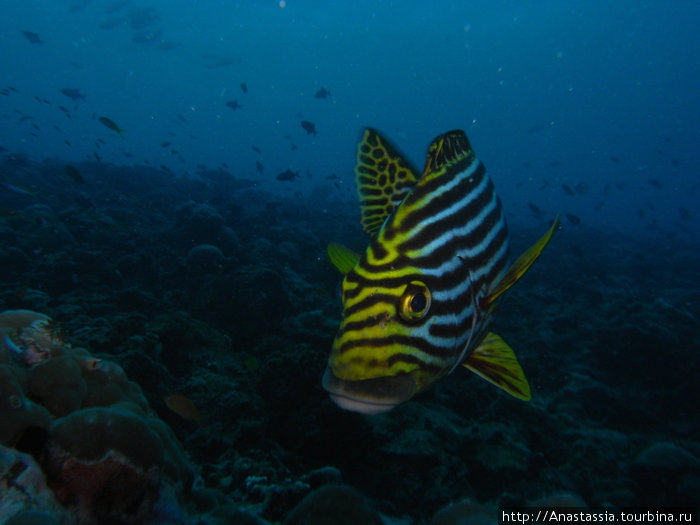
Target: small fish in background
73,94
676,163
73,174
567,189
322,93
535,210
165,144
7,91
555,164
599,205
256,149
110,124
32,37
288,175
259,167
168,46
580,188
65,111
614,159
214,61
244,87
684,214
233,104
655,183
309,127
575,220
17,188
183,407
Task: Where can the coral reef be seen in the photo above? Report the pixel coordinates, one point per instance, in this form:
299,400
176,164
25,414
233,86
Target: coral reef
224,296
104,453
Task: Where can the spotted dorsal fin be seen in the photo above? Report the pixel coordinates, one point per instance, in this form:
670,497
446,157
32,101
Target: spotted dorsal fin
383,179
446,150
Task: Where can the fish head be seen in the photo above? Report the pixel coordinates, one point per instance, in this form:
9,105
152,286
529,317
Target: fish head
382,354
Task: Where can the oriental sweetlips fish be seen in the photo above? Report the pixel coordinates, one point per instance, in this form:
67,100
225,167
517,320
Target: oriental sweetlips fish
418,302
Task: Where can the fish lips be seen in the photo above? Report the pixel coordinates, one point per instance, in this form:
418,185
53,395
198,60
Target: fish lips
369,396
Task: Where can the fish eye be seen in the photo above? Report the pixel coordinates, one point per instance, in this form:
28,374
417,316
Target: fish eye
415,301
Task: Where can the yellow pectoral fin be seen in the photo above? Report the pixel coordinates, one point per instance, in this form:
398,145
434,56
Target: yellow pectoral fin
342,258
494,360
519,267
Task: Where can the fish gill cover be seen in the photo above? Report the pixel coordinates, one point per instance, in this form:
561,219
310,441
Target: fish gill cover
172,173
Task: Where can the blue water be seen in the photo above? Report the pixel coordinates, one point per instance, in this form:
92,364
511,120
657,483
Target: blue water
175,251
600,96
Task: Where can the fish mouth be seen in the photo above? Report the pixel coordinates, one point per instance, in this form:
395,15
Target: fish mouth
369,396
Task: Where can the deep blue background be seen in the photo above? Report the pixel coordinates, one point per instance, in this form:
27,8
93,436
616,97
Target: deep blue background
588,93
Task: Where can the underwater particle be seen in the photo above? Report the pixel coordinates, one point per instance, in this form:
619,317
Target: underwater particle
183,407
283,4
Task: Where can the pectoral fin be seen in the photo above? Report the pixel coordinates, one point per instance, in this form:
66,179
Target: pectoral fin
495,361
519,267
343,258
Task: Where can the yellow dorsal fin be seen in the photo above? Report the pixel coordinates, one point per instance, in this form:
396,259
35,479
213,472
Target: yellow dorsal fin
519,267
447,149
383,179
494,360
343,258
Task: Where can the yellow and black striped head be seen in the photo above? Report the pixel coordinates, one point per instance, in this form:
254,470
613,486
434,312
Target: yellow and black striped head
413,302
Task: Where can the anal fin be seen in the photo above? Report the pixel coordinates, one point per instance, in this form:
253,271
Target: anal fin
495,361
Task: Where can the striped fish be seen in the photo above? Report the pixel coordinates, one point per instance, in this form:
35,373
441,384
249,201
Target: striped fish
418,301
